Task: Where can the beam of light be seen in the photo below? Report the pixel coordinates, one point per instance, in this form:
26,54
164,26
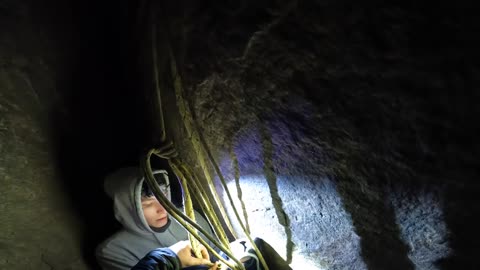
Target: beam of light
321,228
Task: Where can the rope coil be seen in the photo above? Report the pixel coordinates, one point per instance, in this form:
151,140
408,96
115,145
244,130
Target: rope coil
188,179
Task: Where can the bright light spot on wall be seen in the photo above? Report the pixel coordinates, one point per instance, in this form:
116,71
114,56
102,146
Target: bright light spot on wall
261,213
321,228
305,263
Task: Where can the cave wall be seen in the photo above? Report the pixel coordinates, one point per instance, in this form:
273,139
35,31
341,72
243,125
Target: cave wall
350,129
38,229
68,116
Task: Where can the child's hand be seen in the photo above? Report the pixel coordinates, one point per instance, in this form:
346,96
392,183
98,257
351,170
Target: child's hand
215,266
184,253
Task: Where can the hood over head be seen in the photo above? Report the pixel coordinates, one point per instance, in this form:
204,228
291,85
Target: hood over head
124,186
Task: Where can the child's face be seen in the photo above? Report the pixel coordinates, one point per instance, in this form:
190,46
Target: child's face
155,214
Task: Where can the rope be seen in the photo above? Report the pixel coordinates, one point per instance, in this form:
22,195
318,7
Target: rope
188,208
163,135
168,152
196,136
205,204
184,220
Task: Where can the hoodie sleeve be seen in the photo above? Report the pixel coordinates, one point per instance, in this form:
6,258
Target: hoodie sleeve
119,252
113,260
160,258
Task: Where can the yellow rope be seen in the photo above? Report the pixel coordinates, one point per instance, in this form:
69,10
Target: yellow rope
200,146
163,135
196,142
188,208
168,151
205,204
184,220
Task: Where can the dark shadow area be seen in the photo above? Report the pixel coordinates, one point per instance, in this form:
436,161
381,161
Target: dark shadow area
374,221
461,212
419,126
100,126
271,177
272,258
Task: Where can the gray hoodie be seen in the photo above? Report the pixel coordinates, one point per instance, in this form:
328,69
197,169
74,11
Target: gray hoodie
125,248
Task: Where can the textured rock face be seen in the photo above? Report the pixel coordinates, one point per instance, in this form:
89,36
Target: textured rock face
38,230
349,129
